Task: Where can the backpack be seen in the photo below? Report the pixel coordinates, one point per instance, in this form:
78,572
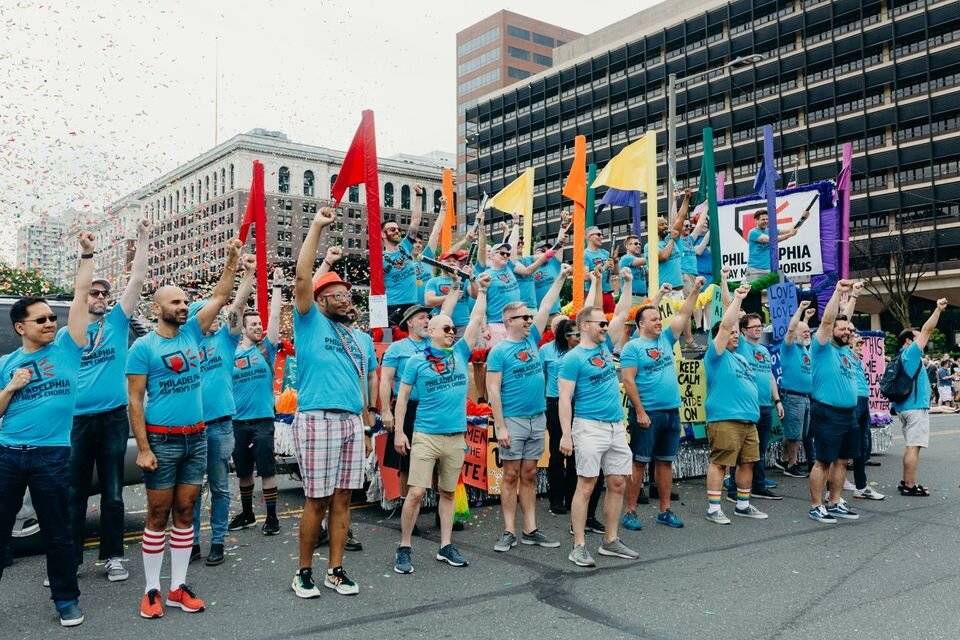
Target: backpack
896,384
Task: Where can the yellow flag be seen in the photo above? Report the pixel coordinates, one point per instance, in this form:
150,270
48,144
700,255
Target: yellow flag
517,197
635,169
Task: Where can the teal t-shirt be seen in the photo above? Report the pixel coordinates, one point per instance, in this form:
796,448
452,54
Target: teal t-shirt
253,381
639,285
670,272
731,387
551,368
502,291
400,274
216,368
527,285
704,260
522,385
912,358
328,373
597,392
758,255
173,370
101,385
761,363
688,255
421,274
41,414
396,357
834,375
592,258
656,377
543,279
797,368
440,378
440,286
863,385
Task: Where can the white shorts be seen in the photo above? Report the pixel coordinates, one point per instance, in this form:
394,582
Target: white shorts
916,427
601,446
946,393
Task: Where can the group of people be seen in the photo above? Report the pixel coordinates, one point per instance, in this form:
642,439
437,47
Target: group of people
197,391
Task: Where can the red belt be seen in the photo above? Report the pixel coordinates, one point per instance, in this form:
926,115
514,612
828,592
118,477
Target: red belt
184,430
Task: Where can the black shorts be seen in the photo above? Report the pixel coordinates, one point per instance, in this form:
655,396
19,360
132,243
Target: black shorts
392,459
835,432
253,445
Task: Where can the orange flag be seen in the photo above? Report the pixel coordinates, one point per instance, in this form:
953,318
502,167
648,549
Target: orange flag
575,188
449,214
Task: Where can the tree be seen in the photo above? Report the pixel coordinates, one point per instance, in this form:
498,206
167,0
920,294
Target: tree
896,263
25,282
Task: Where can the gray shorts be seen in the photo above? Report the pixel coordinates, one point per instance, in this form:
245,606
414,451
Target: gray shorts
752,273
916,427
526,438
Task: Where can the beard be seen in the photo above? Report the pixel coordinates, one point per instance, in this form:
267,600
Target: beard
174,318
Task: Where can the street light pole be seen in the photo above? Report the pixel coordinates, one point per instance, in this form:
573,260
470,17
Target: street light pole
672,83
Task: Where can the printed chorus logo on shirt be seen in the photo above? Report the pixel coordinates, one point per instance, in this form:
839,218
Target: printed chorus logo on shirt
653,353
242,362
39,369
598,362
180,361
523,355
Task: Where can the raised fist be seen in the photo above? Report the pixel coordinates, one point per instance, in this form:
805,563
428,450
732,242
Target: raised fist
566,270
334,253
233,249
742,292
324,216
627,275
86,241
942,304
699,282
804,304
249,263
143,229
483,281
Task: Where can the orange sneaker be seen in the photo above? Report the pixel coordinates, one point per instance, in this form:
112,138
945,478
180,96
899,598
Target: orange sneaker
150,605
186,599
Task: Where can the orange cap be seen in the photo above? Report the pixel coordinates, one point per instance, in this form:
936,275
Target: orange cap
325,280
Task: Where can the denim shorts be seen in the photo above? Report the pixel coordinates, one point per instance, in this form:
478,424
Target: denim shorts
181,459
835,432
660,440
796,415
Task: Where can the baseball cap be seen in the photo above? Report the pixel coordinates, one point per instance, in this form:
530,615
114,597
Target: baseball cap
503,245
102,281
460,254
327,279
591,230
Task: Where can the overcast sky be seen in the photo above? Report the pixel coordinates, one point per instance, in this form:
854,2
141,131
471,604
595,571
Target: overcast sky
98,98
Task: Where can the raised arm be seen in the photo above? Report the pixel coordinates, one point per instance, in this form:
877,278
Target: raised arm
434,238
235,313
682,213
452,298
825,331
682,317
621,311
130,297
851,304
725,286
479,314
550,298
416,215
731,318
303,284
276,302
77,318
334,253
595,294
664,254
704,243
664,289
795,321
927,329
530,269
224,287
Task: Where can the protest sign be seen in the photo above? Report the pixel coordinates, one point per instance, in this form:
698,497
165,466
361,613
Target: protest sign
782,300
874,362
693,390
475,458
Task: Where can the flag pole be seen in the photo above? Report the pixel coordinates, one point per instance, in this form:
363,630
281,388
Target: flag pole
707,168
845,211
591,193
769,186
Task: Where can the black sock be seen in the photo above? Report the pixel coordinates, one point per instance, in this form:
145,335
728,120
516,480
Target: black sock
246,499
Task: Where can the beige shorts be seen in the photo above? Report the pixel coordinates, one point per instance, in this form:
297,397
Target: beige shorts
733,443
443,452
916,427
601,446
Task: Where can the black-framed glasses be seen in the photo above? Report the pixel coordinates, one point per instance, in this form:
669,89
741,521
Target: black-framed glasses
99,293
448,329
755,326
526,318
42,320
603,324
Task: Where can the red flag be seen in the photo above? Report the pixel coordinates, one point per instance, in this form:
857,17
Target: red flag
256,213
360,167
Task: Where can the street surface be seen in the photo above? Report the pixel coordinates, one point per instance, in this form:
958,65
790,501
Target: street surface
893,574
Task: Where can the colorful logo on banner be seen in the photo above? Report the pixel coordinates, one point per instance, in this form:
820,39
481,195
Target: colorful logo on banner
800,256
874,362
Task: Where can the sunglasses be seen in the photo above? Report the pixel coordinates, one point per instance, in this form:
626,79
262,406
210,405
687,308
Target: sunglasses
99,293
575,334
42,320
449,329
526,318
603,324
339,297
503,254
755,326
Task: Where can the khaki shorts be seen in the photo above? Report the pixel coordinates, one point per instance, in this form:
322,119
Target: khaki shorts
601,446
733,443
916,427
445,452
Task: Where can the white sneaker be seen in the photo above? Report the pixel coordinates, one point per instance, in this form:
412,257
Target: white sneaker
849,486
115,570
868,494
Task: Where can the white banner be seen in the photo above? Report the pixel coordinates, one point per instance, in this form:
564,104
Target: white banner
799,256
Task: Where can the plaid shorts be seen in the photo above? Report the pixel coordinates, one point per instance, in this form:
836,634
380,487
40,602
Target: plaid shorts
329,450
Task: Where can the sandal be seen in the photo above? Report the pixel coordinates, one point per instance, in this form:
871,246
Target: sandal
917,490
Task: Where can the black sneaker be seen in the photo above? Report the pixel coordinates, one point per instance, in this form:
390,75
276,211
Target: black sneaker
215,556
352,543
642,498
558,509
595,526
765,494
323,538
780,464
795,471
242,521
338,580
271,527
195,553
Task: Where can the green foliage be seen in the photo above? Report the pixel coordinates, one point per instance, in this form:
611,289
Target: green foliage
25,282
937,344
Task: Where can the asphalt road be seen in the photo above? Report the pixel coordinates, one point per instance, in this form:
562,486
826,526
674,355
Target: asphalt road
895,573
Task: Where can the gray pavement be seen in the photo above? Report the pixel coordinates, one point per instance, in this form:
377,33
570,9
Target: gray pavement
895,573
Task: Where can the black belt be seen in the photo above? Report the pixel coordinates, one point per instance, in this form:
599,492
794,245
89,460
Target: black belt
794,393
217,420
340,411
253,420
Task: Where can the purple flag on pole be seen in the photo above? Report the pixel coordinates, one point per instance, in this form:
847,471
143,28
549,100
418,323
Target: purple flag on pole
620,198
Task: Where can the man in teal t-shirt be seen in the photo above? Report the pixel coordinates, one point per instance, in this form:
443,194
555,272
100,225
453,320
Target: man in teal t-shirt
758,243
633,259
796,382
594,255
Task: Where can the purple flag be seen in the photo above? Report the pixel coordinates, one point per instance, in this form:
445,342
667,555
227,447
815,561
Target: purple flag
619,198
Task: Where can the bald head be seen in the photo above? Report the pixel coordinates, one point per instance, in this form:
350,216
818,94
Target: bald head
167,292
441,330
170,305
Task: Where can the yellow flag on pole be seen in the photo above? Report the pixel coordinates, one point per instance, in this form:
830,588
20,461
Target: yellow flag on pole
517,197
635,169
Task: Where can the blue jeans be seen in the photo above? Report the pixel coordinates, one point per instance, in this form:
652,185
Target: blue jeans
763,435
45,471
101,439
219,448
